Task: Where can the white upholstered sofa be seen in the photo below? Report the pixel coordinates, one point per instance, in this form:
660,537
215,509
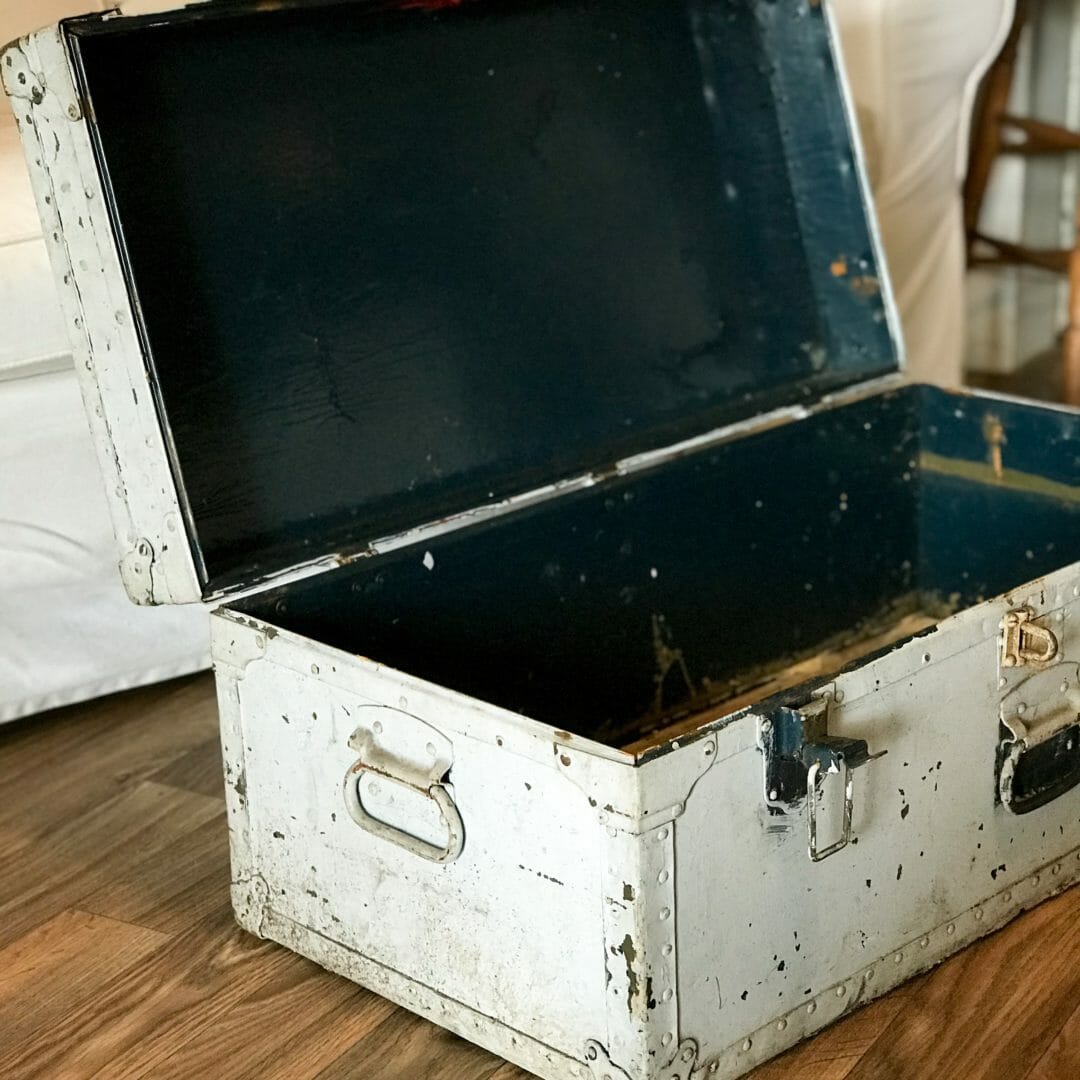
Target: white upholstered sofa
67,630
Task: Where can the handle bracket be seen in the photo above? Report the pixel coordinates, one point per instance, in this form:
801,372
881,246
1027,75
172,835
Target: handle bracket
437,793
403,751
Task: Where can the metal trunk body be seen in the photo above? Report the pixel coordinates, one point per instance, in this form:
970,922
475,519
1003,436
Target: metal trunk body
621,665
655,913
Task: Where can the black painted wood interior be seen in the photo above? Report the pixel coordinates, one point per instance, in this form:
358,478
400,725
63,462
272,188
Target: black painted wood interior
978,540
733,558
394,260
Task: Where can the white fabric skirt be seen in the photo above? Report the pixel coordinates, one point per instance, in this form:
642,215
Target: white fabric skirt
67,630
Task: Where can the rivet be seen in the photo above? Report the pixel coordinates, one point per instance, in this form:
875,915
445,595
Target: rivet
811,1008
667,1039
838,696
773,795
688,1054
665,914
841,990
710,749
662,835
1006,897
781,1024
613,832
924,942
314,669
1076,590
667,950
1021,709
377,727
747,1044
869,975
950,929
430,748
1055,869
663,877
260,642
1035,880
73,111
1002,683
714,1067
978,914
667,995
898,957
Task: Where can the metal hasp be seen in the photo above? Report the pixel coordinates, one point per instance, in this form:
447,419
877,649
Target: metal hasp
1039,750
800,755
1025,643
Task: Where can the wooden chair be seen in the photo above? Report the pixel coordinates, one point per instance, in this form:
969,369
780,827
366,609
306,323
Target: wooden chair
996,131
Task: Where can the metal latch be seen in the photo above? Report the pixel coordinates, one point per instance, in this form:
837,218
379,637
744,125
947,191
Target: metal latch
800,755
1039,747
1038,756
1024,642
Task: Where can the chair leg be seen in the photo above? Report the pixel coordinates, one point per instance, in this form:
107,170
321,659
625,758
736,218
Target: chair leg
1071,342
986,141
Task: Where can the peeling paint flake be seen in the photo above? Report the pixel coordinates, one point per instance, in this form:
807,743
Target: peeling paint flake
633,986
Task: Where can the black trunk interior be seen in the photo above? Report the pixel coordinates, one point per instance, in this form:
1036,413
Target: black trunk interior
610,611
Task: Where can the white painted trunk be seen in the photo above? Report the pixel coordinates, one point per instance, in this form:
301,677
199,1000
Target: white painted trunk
639,917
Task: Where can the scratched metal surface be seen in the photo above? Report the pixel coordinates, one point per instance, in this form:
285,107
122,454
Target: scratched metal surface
722,943
390,264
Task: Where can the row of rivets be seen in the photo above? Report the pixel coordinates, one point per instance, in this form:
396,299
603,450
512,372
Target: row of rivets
841,990
667,950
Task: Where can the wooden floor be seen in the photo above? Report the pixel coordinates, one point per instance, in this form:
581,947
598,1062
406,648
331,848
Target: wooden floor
119,957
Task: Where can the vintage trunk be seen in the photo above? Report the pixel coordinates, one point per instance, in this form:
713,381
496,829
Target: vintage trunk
621,665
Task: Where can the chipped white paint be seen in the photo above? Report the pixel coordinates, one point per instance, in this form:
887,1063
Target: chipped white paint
109,361
643,918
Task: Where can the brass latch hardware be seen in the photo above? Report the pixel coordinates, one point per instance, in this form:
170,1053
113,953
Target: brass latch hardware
1023,642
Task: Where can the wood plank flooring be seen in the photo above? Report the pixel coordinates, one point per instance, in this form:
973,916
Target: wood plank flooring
119,958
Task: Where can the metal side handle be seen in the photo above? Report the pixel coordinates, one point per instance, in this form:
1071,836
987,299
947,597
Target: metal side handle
437,793
1039,757
401,750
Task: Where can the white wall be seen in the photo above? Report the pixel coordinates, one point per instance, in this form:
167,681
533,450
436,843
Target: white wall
32,335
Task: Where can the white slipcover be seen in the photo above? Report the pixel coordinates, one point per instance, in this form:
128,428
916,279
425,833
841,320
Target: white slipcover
67,630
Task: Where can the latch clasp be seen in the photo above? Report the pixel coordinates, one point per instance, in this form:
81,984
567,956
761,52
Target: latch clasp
800,755
1024,642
